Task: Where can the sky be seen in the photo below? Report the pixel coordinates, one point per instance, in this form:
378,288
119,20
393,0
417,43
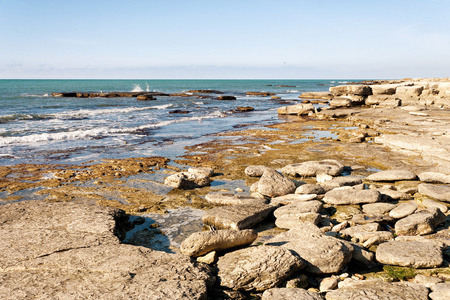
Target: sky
218,39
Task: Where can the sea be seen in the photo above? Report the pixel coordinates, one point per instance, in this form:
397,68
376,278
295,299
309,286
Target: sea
36,127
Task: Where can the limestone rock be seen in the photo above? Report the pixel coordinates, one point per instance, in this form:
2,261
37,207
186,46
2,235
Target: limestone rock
316,95
273,184
361,255
187,180
438,192
209,258
312,168
298,109
378,289
328,283
412,254
323,254
292,221
384,89
227,198
292,198
434,177
392,175
389,195
290,293
427,281
351,196
428,203
200,243
360,90
440,291
202,171
377,208
403,210
365,232
255,170
342,181
341,102
257,268
310,189
237,217
298,208
420,223
378,99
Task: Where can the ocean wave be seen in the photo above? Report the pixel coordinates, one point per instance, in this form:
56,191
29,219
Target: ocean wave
293,91
35,95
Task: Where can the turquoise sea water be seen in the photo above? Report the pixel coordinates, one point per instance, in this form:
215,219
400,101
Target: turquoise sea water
38,128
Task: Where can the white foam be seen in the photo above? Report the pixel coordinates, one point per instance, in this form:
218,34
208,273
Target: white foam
137,88
94,112
293,91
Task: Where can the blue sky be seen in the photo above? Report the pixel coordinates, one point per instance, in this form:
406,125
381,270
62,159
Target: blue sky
224,39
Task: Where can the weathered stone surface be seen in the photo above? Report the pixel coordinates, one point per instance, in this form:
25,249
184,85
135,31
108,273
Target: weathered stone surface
225,97
310,189
412,254
434,177
209,258
187,180
351,196
384,89
316,95
290,293
202,171
420,223
378,99
273,184
341,102
440,291
145,97
389,195
298,208
69,251
392,175
427,281
380,290
298,109
367,219
342,181
360,90
200,243
361,255
323,254
257,268
312,168
439,192
237,217
328,283
292,221
365,232
292,198
228,198
403,210
428,203
377,208
255,170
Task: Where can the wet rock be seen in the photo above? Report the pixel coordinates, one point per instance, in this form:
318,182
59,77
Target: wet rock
237,217
313,168
434,177
310,189
226,98
273,184
377,208
200,243
392,175
292,198
438,192
145,97
440,291
351,196
255,170
378,289
261,94
244,109
290,293
187,180
323,254
420,223
297,109
257,268
414,254
428,203
227,198
202,171
403,210
360,90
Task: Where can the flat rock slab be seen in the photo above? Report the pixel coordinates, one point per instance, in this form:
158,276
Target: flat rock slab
274,184
255,170
403,210
313,206
420,223
290,293
257,268
323,254
292,198
378,208
392,175
351,196
365,232
440,291
69,251
237,217
413,254
227,198
380,290
310,188
292,221
434,177
313,168
439,192
200,243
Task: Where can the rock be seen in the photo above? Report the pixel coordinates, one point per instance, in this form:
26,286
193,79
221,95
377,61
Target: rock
145,97
179,111
292,221
342,181
310,189
68,250
360,90
420,223
409,94
312,168
237,217
187,180
301,281
244,109
390,195
434,177
199,171
227,198
391,103
428,203
366,219
341,102
361,255
427,281
377,208
440,291
438,192
292,198
200,243
298,208
273,184
316,95
351,196
255,170
328,284
392,175
297,109
209,258
226,97
205,92
290,293
257,268
367,231
384,89
261,94
403,210
378,289
413,254
323,254
378,99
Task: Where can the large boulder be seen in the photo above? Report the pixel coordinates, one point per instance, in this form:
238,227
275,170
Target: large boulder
323,254
351,196
187,180
257,268
200,243
298,109
384,89
313,168
413,254
360,90
420,223
273,184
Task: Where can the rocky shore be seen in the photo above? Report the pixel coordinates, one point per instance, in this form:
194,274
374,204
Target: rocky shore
342,201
